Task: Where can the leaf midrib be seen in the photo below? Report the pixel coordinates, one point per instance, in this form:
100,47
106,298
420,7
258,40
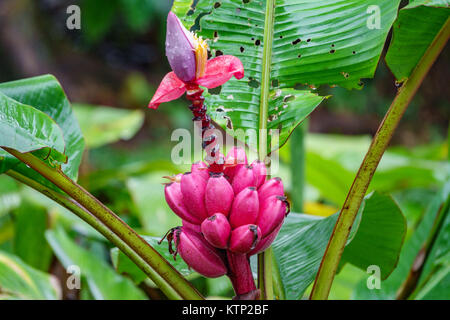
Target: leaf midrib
265,78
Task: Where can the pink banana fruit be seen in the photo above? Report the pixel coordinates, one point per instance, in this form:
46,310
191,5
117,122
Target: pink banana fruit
244,238
193,189
216,230
219,195
199,254
174,199
243,178
271,213
245,208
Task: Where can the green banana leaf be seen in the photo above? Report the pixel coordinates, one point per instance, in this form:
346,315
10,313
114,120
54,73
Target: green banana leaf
417,25
47,98
20,281
104,283
284,46
379,229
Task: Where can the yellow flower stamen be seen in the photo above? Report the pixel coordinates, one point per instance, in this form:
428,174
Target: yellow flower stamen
201,55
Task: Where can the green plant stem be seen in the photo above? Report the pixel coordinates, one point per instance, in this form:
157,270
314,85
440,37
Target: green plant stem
265,281
297,144
278,287
168,276
333,253
84,215
265,78
265,258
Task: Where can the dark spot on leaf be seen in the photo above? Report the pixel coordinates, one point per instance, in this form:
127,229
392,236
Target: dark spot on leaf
288,98
253,83
242,49
275,83
354,52
219,53
332,51
216,90
296,41
245,1
229,122
190,12
299,56
308,40
217,5
196,25
253,39
238,10
220,109
332,45
281,37
258,42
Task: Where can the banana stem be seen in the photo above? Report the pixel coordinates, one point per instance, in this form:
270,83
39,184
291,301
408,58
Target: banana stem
164,275
336,244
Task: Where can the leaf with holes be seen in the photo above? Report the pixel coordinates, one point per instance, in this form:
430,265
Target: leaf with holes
287,45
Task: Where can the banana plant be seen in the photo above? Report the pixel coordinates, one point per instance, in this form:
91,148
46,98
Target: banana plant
287,48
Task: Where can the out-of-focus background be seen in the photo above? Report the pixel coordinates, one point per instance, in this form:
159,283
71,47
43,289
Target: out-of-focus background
110,70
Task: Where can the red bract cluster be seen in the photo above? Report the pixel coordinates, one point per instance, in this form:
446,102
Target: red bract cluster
227,216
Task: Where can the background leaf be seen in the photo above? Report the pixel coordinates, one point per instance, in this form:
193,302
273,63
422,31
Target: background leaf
45,94
416,27
410,250
104,283
29,236
103,125
124,265
27,129
380,213
20,281
302,241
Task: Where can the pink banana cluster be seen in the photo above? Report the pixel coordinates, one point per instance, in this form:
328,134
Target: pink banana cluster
227,217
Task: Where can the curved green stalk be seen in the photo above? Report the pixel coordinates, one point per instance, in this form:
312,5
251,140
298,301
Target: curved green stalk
84,215
333,253
265,258
164,274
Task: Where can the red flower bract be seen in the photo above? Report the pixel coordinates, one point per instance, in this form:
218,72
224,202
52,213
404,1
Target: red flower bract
218,71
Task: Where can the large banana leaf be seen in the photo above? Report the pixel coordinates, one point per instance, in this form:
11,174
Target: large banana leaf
413,245
285,45
27,129
45,94
379,229
417,25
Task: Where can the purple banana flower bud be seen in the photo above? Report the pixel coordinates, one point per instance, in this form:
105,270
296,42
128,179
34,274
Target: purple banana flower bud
193,189
180,49
235,159
174,199
265,242
271,213
260,172
201,169
199,254
219,195
272,187
216,230
245,238
245,208
243,178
